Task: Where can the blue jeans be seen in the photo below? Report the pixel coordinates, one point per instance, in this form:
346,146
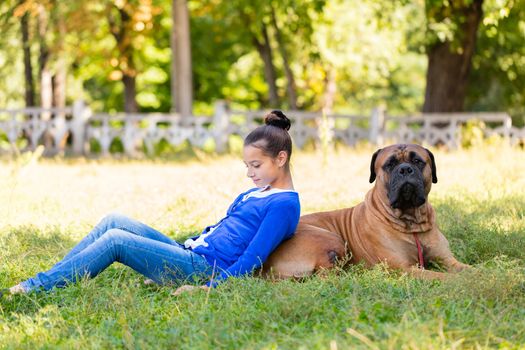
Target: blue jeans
118,238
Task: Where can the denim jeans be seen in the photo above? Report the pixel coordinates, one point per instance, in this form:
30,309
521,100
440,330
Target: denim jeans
118,238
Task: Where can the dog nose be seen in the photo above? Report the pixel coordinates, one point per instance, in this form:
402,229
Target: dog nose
405,170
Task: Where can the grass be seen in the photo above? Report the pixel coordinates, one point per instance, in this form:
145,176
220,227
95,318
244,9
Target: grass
48,205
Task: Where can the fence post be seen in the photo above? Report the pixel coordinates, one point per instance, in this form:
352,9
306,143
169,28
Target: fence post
81,113
220,125
377,126
507,127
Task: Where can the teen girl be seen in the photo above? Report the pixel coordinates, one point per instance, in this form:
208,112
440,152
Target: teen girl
256,222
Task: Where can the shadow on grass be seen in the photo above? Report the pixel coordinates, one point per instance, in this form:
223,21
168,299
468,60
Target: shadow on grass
481,230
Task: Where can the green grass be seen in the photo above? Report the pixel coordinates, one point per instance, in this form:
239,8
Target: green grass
49,205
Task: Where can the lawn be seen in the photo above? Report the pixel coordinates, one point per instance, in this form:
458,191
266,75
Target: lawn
48,205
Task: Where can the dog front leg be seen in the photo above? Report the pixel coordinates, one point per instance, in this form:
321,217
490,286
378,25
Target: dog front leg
416,272
453,265
440,252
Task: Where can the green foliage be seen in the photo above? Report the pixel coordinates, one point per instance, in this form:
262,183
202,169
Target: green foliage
498,74
11,85
374,49
367,45
472,134
231,67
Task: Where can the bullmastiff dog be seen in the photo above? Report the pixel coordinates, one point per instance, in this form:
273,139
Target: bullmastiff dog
395,224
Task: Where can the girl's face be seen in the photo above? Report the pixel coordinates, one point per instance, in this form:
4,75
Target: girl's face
262,169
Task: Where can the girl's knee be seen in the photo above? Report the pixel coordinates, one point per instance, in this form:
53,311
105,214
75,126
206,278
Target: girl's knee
112,245
114,220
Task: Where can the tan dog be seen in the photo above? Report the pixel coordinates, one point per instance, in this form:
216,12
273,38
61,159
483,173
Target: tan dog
388,226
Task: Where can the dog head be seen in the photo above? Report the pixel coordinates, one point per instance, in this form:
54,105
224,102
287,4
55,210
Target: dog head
407,172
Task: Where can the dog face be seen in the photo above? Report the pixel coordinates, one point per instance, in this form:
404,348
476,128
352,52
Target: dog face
407,172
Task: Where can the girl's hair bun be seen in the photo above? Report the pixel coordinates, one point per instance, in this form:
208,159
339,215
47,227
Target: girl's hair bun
278,119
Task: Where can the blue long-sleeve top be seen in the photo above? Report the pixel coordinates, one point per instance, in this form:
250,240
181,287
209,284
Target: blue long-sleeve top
255,224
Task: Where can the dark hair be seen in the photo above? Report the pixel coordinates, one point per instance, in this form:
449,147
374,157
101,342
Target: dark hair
273,137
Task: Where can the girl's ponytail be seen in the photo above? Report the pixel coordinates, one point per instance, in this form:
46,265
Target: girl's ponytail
278,119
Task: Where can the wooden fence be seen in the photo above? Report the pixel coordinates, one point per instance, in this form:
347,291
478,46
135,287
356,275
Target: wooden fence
76,130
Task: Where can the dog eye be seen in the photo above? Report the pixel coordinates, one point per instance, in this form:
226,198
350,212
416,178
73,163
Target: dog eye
418,161
391,164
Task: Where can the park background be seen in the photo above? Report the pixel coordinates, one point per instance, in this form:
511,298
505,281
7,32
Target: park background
433,56
347,56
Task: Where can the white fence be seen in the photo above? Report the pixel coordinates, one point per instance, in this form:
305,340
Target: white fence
76,130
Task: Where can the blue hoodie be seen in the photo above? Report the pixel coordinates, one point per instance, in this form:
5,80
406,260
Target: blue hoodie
255,224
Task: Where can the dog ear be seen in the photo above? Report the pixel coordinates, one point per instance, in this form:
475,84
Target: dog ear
433,167
373,166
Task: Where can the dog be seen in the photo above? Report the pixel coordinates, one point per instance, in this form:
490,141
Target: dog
395,224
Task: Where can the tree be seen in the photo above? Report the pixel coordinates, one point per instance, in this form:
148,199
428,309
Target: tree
366,57
28,67
280,33
181,67
310,54
266,53
290,86
453,28
115,44
46,85
497,79
43,23
120,18
59,79
253,16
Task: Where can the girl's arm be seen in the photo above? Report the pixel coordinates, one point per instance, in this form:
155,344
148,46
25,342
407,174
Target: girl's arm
278,224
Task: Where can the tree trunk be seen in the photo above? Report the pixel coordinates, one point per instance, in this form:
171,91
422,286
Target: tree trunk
59,85
181,70
130,104
265,51
448,71
46,85
59,80
330,91
119,29
290,86
28,67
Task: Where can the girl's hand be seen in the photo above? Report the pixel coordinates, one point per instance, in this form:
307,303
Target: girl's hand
188,289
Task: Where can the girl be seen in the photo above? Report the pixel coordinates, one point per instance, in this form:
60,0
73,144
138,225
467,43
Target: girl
256,222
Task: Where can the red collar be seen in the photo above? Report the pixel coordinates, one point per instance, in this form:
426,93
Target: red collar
419,253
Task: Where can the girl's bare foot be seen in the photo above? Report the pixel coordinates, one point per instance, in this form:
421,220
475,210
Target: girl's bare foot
149,281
